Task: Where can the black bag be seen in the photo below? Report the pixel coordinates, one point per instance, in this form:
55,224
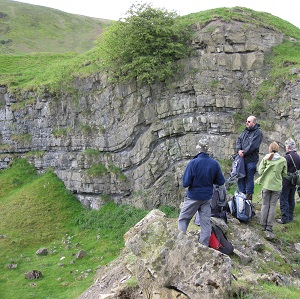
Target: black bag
294,177
219,241
240,208
218,204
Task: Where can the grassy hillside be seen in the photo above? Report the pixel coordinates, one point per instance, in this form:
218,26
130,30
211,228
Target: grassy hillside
26,28
36,71
37,211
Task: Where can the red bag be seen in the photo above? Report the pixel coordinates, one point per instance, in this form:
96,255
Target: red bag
219,241
213,241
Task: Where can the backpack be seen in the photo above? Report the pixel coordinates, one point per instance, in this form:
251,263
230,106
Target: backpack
218,204
294,177
238,168
219,241
240,208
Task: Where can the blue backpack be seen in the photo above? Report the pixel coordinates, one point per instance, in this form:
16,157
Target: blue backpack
240,208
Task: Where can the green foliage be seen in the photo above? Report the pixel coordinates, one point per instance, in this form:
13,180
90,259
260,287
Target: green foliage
117,171
19,173
21,138
132,282
145,45
37,211
92,152
56,72
97,170
61,132
110,217
35,154
171,212
22,104
245,15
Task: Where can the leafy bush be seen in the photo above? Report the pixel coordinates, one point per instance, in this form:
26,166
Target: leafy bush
144,45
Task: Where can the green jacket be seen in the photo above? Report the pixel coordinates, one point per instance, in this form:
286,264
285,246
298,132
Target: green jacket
271,172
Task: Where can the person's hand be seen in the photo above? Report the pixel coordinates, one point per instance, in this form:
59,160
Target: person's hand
241,153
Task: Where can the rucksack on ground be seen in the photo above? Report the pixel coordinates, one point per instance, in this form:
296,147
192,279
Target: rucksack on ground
240,208
219,241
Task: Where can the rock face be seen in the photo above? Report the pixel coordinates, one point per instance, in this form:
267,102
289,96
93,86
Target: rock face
131,143
161,262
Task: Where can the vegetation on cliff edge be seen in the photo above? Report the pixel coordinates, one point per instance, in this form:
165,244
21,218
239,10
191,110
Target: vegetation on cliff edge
56,72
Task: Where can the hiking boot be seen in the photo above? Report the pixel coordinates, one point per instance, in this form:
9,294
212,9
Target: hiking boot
269,228
280,221
269,235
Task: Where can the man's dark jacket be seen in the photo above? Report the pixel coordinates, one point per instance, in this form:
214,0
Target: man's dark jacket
249,141
291,168
201,173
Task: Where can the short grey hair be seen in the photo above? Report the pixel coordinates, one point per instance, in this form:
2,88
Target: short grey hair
291,144
203,145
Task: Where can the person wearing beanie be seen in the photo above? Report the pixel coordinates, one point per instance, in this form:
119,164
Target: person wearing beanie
201,173
272,169
287,196
247,146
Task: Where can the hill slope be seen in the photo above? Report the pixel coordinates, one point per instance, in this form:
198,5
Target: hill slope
26,28
37,211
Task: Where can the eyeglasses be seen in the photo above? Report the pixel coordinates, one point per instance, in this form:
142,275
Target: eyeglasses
248,121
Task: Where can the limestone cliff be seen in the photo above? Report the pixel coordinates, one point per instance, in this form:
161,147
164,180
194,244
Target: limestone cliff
131,143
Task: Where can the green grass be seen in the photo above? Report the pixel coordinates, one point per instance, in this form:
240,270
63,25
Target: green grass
57,71
37,211
26,28
36,72
244,15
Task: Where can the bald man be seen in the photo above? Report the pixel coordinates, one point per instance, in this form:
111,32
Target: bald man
247,146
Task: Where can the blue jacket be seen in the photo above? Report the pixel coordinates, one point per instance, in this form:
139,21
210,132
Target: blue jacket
200,175
249,141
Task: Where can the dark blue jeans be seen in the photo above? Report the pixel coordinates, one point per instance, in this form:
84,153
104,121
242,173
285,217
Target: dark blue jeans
287,203
246,184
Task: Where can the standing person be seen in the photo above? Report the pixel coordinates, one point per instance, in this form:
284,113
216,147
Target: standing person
287,197
201,173
272,169
247,146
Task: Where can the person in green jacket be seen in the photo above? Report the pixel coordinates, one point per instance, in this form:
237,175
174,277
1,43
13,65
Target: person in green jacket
272,168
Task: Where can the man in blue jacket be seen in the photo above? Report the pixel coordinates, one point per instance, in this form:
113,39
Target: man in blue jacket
201,173
247,146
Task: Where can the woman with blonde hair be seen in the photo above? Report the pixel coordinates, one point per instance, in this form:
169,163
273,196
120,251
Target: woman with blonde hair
272,169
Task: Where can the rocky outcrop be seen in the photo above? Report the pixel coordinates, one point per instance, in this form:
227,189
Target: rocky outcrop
131,143
161,262
164,263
